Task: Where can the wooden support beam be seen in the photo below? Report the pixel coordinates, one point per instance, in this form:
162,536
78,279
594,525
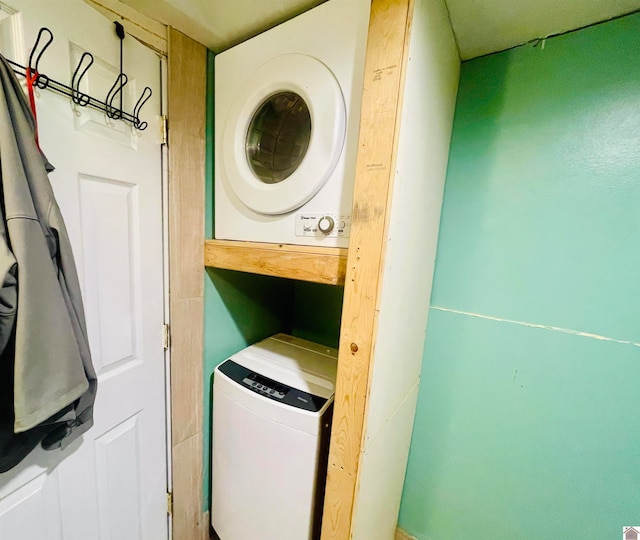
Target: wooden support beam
387,44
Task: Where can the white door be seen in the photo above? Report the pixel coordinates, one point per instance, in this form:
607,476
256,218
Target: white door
111,483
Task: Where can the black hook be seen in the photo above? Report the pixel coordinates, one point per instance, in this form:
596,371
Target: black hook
43,30
144,97
41,81
113,112
120,34
77,96
119,29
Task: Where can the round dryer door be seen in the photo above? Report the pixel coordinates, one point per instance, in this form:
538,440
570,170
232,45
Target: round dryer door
284,134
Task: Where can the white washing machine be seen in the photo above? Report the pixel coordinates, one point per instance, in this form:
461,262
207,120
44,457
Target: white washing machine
287,115
272,405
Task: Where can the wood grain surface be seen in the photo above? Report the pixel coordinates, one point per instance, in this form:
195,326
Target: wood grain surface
375,171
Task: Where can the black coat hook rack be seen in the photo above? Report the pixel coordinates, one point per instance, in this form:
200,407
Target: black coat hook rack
80,98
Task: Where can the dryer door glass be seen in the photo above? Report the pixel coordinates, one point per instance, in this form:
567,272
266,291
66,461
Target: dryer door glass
278,137
283,134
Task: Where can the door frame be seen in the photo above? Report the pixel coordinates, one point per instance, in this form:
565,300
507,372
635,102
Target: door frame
187,86
184,212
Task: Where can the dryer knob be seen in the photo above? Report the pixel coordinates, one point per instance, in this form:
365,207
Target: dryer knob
325,224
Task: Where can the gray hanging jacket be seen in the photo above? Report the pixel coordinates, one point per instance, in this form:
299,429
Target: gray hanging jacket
47,380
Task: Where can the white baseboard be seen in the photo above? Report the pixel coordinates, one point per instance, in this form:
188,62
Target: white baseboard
206,527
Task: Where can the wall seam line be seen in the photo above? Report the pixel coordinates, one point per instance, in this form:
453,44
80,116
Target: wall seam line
539,326
374,437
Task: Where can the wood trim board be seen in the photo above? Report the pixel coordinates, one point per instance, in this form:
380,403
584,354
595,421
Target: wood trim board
187,67
305,263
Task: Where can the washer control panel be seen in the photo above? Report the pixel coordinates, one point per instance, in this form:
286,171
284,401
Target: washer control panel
265,385
323,224
270,389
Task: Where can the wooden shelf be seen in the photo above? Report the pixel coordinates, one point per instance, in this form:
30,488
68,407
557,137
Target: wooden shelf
307,263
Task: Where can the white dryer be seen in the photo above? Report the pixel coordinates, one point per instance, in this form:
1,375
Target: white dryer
287,114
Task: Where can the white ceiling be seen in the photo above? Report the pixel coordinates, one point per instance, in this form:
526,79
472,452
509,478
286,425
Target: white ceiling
220,24
480,26
486,26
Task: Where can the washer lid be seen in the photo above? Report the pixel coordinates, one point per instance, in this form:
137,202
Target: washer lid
292,361
284,134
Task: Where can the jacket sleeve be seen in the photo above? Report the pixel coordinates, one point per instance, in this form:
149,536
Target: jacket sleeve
8,289
49,371
70,287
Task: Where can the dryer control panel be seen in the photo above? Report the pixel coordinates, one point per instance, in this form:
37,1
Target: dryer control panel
319,224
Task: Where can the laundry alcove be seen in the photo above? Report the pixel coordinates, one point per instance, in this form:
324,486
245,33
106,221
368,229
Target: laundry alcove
411,75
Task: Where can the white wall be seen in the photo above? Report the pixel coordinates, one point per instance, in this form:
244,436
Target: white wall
427,116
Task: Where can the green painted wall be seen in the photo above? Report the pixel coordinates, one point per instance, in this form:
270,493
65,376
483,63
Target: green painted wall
240,309
528,420
317,310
